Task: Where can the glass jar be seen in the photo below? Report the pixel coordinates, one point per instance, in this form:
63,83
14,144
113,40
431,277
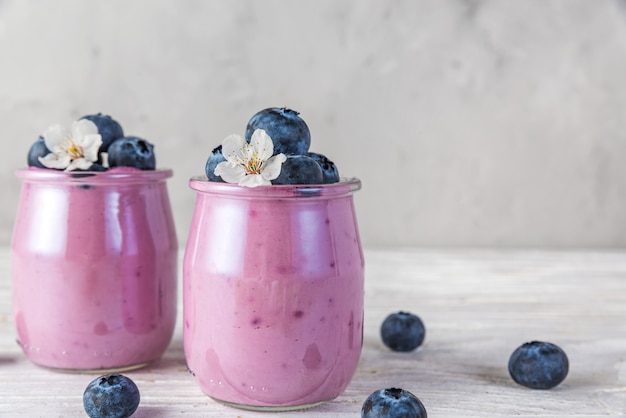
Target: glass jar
273,293
94,265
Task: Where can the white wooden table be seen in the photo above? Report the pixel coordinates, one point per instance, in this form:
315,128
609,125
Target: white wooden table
478,306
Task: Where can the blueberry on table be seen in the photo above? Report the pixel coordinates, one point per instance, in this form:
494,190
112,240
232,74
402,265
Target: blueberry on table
108,128
38,149
289,133
538,365
131,151
111,396
214,159
329,169
393,403
402,331
299,169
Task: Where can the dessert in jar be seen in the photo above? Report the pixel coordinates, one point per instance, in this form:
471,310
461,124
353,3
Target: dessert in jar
273,271
93,251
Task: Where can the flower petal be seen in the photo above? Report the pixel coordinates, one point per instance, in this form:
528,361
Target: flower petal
55,135
262,145
271,168
57,161
230,173
254,180
79,164
91,145
83,127
235,149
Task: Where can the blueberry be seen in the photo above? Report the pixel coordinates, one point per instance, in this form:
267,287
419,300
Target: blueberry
402,331
38,149
108,128
393,403
97,167
288,131
299,169
131,151
538,365
329,169
214,159
94,167
111,396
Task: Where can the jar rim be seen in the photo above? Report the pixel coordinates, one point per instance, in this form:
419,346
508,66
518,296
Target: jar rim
345,186
123,175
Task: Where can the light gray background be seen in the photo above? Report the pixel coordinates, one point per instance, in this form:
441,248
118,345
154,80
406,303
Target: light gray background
471,123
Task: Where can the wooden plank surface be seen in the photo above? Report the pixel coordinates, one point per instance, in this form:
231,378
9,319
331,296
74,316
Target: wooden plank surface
478,306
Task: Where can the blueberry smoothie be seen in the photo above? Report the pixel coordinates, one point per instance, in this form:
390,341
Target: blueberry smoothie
94,264
273,276
273,308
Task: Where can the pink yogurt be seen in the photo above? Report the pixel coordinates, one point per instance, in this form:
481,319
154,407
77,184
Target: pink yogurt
94,263
273,293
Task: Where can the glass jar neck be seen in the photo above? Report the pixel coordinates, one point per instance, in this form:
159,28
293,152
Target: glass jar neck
346,186
112,176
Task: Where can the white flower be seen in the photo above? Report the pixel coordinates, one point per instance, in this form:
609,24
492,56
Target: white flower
250,164
72,149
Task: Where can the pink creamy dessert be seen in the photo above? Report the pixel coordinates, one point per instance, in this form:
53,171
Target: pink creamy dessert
273,309
273,271
93,262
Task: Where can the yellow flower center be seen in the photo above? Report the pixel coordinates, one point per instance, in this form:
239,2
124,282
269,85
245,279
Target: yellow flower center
253,165
75,151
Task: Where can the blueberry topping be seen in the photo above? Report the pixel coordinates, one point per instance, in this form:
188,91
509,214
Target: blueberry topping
329,169
392,403
538,365
214,159
402,331
97,167
92,167
111,396
108,128
289,133
299,169
131,151
38,149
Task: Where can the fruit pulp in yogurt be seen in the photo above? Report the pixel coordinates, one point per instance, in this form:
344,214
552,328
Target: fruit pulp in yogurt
94,264
273,295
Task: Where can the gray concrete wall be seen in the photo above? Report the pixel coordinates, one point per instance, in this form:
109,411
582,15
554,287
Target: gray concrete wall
471,123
